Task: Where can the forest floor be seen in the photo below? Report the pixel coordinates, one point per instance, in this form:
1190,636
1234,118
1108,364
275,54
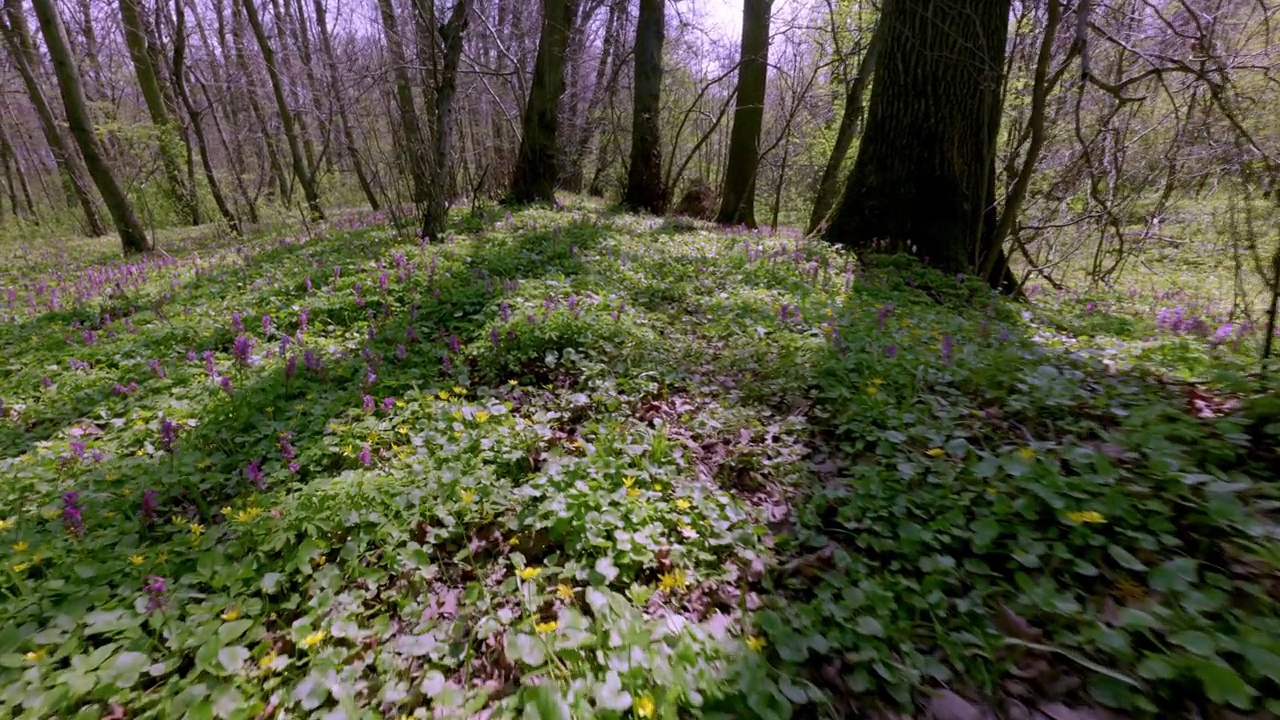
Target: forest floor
582,464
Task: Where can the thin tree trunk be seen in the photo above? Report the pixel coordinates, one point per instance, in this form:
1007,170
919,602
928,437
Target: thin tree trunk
300,169
829,186
133,238
538,162
197,129
410,127
137,41
22,51
644,178
738,198
435,215
276,165
344,121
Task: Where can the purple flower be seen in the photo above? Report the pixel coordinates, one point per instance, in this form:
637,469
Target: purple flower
294,467
155,589
156,368
150,505
266,324
224,382
367,403
307,282
304,317
337,272
287,450
494,338
89,337
168,434
382,282
401,352
237,323
882,315
290,367
948,344
242,350
388,403
454,344
72,516
370,377
191,356
46,381
504,311
123,390
366,456
77,447
891,351
312,361
253,473
209,368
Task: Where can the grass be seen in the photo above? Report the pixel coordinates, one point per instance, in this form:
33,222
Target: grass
584,464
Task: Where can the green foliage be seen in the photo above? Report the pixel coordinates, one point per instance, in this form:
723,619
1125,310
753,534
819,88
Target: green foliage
608,467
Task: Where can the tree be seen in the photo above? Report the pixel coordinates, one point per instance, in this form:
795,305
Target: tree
537,163
924,179
410,128
344,121
301,171
22,51
435,212
140,44
133,238
644,178
738,196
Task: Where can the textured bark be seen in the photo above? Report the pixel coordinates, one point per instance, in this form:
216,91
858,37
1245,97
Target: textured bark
644,177
22,51
136,40
435,214
738,197
133,238
829,186
415,144
537,163
344,120
300,169
278,175
923,182
197,126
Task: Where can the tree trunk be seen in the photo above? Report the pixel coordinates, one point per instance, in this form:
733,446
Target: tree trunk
300,169
921,186
197,129
344,121
167,141
22,51
411,129
537,163
249,79
133,238
435,214
829,187
644,178
738,197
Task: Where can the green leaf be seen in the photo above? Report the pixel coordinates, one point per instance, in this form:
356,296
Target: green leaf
125,668
870,626
526,648
1126,559
233,658
432,683
984,532
1263,661
231,630
1223,685
607,569
1194,640
610,695
546,703
1156,667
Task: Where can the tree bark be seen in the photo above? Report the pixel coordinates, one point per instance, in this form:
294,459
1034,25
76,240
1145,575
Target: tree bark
537,163
300,169
645,190
133,238
919,185
435,214
411,129
738,197
829,186
344,120
137,41
22,51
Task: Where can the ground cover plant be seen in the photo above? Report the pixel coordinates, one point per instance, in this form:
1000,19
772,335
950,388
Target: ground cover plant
578,463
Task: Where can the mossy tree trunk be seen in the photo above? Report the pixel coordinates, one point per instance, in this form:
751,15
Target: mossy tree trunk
644,177
738,193
133,238
537,163
924,179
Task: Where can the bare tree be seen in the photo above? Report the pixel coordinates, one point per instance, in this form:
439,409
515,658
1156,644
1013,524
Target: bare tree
537,164
738,197
645,190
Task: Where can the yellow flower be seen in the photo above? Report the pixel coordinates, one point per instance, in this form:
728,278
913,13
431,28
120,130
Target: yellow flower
564,592
1027,453
319,561
529,573
515,540
401,403
628,481
546,627
458,390
755,642
33,656
196,529
348,450
633,492
51,513
226,511
457,414
482,415
443,395
21,546
683,504
1086,516
21,567
935,452
314,639
247,514
179,521
137,559
513,381
403,429
232,613
644,706
265,662
468,496
6,524
657,487
991,490
672,580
